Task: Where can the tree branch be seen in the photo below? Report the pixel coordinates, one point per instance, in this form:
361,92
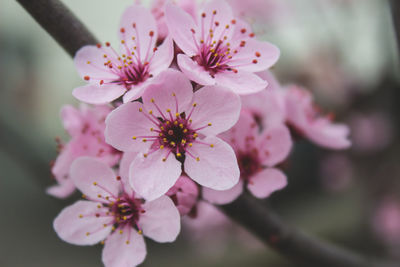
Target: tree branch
290,242
71,34
395,8
60,23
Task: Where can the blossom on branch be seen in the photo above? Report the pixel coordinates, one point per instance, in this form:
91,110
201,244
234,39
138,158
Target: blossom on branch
110,74
175,128
115,215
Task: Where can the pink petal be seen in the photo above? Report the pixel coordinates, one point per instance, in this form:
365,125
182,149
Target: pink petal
266,182
217,166
73,229
72,120
93,177
136,91
152,177
223,16
170,89
180,24
63,162
161,220
241,82
239,34
223,197
255,56
61,190
125,122
238,135
162,57
274,145
216,105
95,69
98,94
145,23
333,136
124,165
124,250
194,71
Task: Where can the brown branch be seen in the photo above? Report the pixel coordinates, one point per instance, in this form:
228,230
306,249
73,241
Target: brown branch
290,242
71,34
395,7
60,23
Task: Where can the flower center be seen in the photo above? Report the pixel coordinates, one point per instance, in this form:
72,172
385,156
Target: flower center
249,163
126,211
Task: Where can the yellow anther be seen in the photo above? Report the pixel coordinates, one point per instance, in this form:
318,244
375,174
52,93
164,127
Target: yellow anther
195,135
80,216
173,94
183,141
168,122
140,109
120,231
175,122
134,137
83,196
164,159
127,242
185,130
125,218
113,228
99,206
133,38
212,145
87,233
99,195
209,124
172,143
160,134
122,41
177,114
88,62
162,147
168,110
197,159
151,129
162,128
190,120
152,100
94,183
145,155
119,67
105,225
150,112
140,232
194,104
190,144
102,242
144,140
178,154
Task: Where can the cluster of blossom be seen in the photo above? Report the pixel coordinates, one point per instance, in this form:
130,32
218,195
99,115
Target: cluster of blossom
187,108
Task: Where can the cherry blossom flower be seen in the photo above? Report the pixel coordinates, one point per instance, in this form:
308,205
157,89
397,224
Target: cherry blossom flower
386,222
86,127
185,194
114,215
306,118
175,128
158,11
111,75
257,154
219,49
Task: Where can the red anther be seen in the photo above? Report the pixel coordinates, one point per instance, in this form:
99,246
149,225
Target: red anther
242,43
252,34
235,70
216,23
98,45
243,30
255,61
203,15
122,30
118,178
134,25
193,31
155,49
151,33
101,82
142,211
107,43
87,78
97,215
233,21
258,54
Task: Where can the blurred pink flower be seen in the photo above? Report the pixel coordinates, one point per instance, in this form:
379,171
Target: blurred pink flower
113,213
371,132
185,194
336,172
111,75
86,127
220,49
386,221
257,154
303,114
158,11
175,127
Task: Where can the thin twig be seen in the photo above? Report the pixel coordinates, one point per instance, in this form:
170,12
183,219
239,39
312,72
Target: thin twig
395,7
60,23
70,33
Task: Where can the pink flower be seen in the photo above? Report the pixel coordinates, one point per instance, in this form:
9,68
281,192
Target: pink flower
111,75
305,117
386,221
158,11
176,128
113,213
86,127
257,154
219,49
185,194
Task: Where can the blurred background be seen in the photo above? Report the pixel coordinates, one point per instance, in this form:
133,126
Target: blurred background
344,51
